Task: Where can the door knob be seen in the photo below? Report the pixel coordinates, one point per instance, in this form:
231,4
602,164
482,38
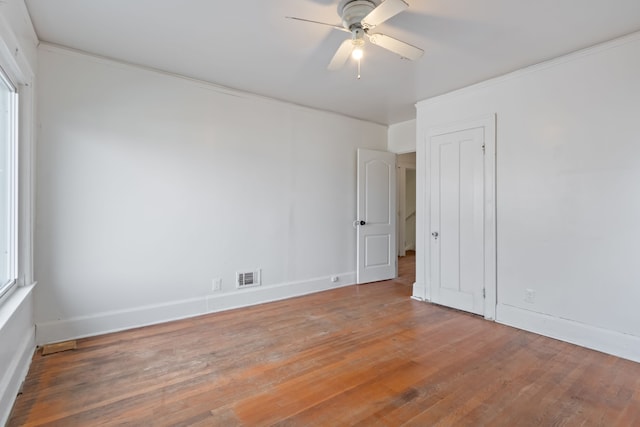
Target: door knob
362,223
435,234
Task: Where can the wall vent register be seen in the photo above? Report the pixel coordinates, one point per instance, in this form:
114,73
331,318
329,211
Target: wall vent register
248,279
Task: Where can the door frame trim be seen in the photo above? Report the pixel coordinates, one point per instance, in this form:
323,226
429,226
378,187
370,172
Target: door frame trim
488,123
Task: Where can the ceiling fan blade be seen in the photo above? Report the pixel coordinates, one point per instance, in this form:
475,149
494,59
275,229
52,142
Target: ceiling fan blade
396,46
337,27
341,56
385,10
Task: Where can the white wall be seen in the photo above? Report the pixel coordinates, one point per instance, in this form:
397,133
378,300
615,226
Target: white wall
568,168
17,333
402,137
150,186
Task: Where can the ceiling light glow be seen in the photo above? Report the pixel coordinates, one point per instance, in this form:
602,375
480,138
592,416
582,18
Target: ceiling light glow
357,53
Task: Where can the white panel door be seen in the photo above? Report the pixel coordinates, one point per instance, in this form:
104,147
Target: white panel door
457,219
376,222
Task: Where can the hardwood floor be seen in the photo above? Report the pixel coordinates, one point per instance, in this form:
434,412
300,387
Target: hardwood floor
361,355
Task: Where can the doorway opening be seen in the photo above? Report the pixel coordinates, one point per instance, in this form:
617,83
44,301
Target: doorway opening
406,208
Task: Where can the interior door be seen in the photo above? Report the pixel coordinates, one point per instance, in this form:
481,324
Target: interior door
458,219
376,222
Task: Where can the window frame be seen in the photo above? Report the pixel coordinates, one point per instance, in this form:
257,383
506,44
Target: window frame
12,188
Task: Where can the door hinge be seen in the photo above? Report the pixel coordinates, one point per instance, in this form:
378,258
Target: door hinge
484,293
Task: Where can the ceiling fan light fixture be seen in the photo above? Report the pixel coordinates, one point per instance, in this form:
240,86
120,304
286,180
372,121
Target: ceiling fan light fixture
358,41
357,53
357,38
359,17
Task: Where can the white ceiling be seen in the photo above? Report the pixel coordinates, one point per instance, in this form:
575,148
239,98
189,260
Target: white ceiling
248,45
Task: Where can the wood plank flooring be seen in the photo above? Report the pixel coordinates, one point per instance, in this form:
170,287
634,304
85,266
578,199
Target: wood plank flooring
362,355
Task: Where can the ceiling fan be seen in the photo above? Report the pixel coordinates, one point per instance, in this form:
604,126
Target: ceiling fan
359,17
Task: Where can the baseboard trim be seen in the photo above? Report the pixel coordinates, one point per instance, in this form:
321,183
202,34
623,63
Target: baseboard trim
604,340
114,321
419,292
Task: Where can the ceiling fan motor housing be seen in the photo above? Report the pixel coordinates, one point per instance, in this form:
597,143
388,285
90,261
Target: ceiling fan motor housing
354,11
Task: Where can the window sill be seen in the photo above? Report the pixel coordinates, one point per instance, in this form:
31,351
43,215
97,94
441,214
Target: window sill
13,301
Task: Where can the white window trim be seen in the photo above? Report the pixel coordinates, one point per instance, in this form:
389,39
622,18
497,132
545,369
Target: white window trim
12,217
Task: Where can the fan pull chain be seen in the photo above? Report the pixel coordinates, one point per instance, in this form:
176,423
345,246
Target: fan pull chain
358,69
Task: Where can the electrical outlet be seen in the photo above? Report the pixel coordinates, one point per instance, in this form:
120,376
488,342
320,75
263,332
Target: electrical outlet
217,285
530,296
